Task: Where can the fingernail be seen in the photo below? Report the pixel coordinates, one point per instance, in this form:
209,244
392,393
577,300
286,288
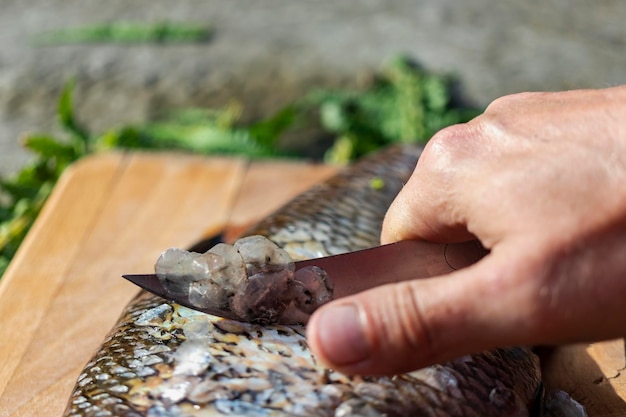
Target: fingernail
341,335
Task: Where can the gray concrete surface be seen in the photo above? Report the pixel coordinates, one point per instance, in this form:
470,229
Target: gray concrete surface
265,53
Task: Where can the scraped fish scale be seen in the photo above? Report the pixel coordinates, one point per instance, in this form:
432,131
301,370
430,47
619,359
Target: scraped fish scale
162,359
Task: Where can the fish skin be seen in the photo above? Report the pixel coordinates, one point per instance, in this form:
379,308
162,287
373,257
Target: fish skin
163,360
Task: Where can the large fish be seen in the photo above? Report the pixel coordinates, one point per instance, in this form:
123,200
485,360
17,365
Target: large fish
162,359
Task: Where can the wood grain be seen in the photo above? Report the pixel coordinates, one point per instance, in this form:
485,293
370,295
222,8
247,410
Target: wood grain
63,292
114,214
593,374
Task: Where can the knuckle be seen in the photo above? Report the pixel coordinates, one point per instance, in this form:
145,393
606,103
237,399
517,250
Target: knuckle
509,115
449,138
454,151
512,101
446,147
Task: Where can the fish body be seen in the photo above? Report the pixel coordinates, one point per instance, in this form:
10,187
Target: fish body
162,359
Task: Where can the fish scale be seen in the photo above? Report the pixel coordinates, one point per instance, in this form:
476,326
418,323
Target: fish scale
163,360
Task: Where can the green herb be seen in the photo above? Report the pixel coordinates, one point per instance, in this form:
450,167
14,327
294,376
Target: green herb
206,132
403,104
127,33
23,195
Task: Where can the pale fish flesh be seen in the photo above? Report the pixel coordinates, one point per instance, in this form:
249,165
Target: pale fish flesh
162,359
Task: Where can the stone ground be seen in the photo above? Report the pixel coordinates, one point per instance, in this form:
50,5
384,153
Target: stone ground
265,53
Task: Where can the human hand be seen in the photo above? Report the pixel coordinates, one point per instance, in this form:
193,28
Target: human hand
540,180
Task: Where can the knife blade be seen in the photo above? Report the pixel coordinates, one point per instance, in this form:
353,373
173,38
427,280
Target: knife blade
353,272
361,270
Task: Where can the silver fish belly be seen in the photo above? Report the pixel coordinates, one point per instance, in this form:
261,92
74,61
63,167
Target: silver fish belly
162,359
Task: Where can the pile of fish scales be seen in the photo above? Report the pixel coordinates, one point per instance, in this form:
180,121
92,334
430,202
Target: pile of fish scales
252,280
163,360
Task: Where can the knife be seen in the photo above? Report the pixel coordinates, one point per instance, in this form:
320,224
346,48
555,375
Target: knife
353,272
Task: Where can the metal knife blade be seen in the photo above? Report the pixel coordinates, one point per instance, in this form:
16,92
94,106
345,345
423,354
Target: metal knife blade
361,270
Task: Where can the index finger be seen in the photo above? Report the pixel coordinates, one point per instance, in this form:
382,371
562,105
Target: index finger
426,207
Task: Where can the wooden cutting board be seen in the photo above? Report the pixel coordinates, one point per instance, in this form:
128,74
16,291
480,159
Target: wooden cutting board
114,213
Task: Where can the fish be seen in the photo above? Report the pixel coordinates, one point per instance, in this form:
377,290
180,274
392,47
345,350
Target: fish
163,360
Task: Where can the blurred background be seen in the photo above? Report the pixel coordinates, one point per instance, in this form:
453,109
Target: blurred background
265,54
320,79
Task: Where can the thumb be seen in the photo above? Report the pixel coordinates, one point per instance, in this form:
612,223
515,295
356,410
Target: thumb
402,327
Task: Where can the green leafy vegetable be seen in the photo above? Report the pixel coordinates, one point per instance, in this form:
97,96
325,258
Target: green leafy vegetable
403,104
